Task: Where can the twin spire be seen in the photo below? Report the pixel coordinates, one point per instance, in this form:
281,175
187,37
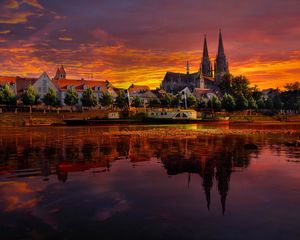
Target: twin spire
206,66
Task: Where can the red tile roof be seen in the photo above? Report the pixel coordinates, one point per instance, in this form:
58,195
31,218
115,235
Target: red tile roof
4,80
137,88
62,84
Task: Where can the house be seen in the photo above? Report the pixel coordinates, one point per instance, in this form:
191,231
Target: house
203,92
146,96
137,89
43,84
185,92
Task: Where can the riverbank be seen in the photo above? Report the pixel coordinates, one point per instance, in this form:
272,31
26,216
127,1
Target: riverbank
57,118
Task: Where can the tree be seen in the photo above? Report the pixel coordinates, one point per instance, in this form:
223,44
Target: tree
176,100
292,86
269,103
7,96
214,103
88,98
241,102
71,98
201,103
191,101
260,104
50,98
106,100
154,103
137,102
252,103
121,100
236,86
225,85
277,103
228,102
30,96
166,99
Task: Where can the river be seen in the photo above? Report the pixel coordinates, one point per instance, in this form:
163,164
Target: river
85,183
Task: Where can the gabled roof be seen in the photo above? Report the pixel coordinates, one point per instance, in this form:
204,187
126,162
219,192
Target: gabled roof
137,88
80,85
198,92
7,80
22,83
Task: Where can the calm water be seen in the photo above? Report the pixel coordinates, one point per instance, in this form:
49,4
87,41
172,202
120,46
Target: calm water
75,183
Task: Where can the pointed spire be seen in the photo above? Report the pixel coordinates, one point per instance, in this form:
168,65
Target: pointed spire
220,47
187,68
205,49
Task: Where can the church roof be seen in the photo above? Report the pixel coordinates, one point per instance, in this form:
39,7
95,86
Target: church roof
182,77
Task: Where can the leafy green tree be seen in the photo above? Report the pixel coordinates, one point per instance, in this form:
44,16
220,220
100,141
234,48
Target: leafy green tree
191,101
88,98
176,100
154,103
30,96
225,85
228,102
137,102
261,104
71,98
121,100
201,103
292,86
277,103
252,103
50,98
106,100
166,100
214,103
241,102
269,103
7,95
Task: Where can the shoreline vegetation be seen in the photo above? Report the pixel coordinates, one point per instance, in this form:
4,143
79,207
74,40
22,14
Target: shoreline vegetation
57,117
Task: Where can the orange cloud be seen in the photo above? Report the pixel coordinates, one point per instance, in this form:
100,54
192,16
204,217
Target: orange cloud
65,38
33,3
16,195
15,18
5,32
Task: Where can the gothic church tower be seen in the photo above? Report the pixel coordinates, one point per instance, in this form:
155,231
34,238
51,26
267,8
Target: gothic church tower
205,66
221,63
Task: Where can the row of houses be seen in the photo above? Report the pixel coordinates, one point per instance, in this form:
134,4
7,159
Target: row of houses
61,84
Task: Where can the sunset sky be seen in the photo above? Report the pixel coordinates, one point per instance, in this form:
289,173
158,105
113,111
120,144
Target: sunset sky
137,41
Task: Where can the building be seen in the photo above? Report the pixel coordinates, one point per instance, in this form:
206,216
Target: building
205,78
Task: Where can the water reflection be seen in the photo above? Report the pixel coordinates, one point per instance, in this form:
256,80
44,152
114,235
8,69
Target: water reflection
65,182
212,158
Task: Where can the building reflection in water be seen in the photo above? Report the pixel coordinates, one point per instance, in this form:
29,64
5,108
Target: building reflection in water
212,158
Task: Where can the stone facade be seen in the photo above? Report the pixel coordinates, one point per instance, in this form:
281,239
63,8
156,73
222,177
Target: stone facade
204,78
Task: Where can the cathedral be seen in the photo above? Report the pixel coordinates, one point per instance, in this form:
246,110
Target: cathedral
207,77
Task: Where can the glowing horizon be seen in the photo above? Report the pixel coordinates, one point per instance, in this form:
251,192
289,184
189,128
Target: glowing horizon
145,39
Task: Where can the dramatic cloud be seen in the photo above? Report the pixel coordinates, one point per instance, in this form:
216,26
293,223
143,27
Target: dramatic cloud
137,41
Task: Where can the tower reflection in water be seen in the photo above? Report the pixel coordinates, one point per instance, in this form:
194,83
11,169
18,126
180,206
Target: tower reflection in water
212,158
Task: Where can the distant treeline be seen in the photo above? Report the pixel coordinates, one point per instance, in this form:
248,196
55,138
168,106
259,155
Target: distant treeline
234,94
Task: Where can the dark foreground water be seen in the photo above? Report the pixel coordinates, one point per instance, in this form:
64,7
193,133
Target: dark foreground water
75,183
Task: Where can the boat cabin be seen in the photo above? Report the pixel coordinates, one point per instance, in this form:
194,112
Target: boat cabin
179,114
